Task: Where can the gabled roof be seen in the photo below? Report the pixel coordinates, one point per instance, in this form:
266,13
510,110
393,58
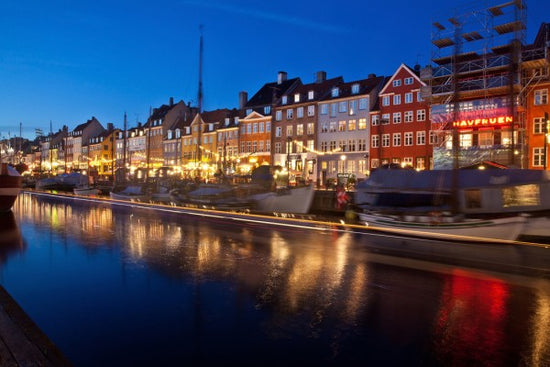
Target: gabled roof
320,90
266,93
365,87
81,127
401,67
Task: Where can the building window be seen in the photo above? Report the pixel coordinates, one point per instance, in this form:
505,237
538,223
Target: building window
419,97
341,126
538,157
386,140
284,100
465,140
397,139
352,107
352,125
396,83
249,128
268,126
261,127
333,109
278,131
408,139
343,106
300,112
408,116
408,97
362,145
363,103
289,114
333,145
385,119
279,115
362,124
420,138
485,139
407,162
397,117
420,115
386,101
310,128
311,110
324,127
352,145
335,92
375,120
297,98
333,126
375,141
324,146
355,89
420,163
408,81
310,95
538,125
433,137
541,97
324,109
289,130
343,145
267,110
374,163
300,129
278,148
397,99
310,145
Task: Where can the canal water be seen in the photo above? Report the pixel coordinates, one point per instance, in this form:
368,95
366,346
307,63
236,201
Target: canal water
123,286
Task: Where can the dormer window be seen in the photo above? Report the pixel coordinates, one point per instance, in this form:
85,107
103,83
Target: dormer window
355,89
236,120
226,122
169,134
335,92
297,98
310,95
267,110
284,100
178,133
249,111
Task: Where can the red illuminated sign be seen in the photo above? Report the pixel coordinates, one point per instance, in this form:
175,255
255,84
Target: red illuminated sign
493,121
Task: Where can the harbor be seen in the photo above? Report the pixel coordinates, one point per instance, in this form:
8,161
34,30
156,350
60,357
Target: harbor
144,284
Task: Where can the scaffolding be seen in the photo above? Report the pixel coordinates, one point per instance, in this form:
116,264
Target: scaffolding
475,65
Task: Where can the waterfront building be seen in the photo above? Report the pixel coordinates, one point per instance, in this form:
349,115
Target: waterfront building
263,102
101,153
136,155
228,143
255,141
536,83
296,126
400,126
56,153
156,127
75,158
475,89
343,130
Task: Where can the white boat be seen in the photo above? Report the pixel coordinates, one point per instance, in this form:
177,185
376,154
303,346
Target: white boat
10,185
130,193
448,227
86,191
296,200
63,182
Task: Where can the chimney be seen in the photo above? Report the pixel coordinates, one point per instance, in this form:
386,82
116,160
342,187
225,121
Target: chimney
110,126
281,77
321,76
417,68
371,76
243,98
171,101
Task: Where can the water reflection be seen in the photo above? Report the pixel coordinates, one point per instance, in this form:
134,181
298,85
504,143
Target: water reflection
11,241
307,293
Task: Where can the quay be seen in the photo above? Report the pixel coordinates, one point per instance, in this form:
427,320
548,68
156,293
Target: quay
22,343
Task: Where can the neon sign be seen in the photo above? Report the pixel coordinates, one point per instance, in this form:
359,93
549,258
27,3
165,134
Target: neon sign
493,121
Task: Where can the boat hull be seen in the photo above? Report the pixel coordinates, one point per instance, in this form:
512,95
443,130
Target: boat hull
291,200
9,189
507,229
86,191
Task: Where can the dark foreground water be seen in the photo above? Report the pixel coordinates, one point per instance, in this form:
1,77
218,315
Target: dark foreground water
115,286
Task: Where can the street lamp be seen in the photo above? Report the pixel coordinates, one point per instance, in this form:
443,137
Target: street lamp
288,142
343,159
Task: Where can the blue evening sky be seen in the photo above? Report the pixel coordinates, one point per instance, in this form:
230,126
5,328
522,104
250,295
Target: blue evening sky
65,61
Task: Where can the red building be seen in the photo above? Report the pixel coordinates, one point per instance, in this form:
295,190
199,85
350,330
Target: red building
400,126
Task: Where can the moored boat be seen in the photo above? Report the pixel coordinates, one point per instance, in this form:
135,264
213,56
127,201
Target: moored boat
448,227
130,193
86,191
10,185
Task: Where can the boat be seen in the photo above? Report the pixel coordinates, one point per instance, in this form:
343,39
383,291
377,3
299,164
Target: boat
448,227
10,185
86,190
130,193
479,200
296,200
63,182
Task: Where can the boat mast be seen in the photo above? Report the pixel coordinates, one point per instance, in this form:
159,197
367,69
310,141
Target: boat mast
199,158
124,148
